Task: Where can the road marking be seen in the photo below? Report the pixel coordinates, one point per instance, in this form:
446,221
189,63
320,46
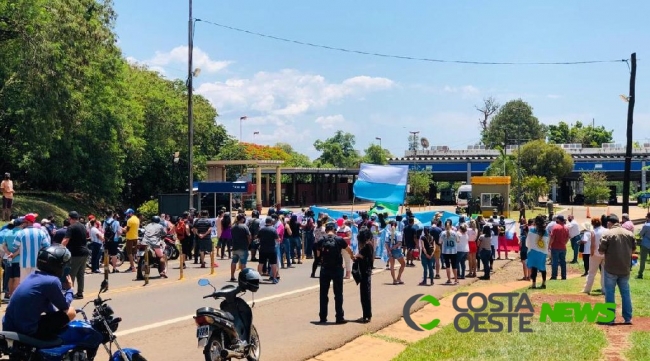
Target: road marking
190,316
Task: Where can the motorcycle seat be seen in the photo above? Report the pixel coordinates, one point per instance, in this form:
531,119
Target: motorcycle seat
41,344
215,312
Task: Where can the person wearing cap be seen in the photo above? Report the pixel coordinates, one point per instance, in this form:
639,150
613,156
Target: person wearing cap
618,246
75,242
12,264
330,248
269,238
29,240
627,223
645,245
557,244
131,234
7,187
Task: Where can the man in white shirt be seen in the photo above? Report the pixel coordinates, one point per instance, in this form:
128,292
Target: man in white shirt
550,226
574,236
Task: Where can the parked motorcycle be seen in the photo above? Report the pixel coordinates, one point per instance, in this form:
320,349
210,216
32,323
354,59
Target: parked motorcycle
228,332
79,341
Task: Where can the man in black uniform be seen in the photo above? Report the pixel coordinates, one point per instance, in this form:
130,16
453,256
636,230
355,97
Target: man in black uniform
330,248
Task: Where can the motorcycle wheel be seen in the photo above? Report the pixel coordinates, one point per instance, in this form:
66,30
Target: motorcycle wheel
120,258
255,349
212,350
175,253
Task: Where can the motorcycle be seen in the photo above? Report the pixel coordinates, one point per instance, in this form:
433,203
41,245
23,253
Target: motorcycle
224,333
171,251
79,341
154,261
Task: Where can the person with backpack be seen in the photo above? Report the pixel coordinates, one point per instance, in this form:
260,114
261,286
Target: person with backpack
183,235
111,229
331,247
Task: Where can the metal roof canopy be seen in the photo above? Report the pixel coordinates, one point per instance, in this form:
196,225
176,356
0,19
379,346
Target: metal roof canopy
254,162
345,171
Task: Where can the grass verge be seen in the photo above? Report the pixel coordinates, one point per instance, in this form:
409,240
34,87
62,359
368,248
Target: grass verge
56,204
640,349
547,339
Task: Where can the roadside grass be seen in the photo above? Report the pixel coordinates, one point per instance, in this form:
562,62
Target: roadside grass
56,204
640,342
548,341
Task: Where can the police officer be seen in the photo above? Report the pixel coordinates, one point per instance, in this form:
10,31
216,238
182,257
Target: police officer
331,247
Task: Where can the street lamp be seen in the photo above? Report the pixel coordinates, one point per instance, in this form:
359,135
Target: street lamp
240,126
379,139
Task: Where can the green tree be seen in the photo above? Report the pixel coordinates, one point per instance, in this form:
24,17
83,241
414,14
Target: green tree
534,187
375,154
545,160
419,183
587,136
595,187
514,123
297,160
338,151
233,150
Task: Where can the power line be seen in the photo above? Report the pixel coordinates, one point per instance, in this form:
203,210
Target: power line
403,57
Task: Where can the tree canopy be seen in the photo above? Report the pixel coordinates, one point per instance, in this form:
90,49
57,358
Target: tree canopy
514,123
538,158
337,151
587,136
76,117
375,154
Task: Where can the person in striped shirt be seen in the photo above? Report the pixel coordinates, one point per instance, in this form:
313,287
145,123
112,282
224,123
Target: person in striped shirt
28,242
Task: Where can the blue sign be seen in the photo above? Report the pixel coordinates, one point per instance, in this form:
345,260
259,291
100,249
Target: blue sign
223,187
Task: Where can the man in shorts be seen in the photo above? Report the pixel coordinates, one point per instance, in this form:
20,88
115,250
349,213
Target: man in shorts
12,264
203,233
394,249
241,239
268,237
112,231
131,232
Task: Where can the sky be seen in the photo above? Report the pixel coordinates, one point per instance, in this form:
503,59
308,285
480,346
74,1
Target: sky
297,94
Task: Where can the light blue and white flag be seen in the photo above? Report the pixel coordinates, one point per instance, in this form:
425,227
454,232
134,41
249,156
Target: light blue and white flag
382,183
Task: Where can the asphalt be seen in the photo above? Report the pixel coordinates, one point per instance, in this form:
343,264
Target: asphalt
157,319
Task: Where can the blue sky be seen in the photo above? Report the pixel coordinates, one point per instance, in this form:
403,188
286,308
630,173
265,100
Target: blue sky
297,94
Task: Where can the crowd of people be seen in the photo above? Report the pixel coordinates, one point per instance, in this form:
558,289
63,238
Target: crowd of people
342,248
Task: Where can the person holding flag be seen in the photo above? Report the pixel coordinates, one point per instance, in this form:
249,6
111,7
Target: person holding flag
537,242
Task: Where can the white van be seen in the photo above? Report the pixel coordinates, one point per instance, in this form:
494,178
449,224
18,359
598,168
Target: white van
464,193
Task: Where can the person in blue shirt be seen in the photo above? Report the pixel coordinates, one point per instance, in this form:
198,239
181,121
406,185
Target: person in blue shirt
40,306
12,265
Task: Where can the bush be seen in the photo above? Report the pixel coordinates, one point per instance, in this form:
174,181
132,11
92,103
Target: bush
595,187
149,208
416,200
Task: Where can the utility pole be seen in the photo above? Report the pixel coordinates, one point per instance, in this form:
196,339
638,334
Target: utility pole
628,148
190,115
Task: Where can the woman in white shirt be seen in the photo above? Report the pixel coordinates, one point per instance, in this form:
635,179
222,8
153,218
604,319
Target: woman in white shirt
596,259
449,241
586,245
463,249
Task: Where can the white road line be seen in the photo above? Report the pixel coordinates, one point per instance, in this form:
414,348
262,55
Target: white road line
189,317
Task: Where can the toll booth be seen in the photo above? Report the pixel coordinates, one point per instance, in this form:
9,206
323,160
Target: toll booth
494,194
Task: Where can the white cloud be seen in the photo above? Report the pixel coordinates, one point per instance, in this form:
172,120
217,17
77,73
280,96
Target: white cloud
178,57
287,93
330,121
465,90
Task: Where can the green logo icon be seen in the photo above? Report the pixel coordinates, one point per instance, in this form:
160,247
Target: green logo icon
406,313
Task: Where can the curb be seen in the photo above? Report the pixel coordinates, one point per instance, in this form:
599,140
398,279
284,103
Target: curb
388,342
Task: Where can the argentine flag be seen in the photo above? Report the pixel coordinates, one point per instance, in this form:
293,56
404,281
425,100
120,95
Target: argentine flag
537,242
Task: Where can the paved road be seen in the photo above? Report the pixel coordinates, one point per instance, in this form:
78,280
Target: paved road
158,318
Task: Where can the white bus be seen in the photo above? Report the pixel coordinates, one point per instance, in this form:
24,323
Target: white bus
463,195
